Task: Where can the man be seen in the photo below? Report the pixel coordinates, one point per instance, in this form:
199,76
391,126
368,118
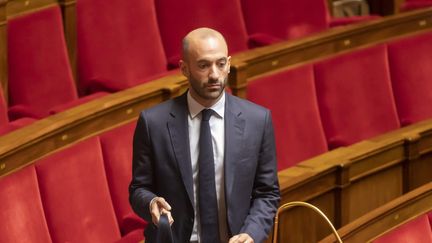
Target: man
236,197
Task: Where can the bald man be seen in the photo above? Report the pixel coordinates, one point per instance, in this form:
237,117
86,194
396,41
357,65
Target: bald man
166,155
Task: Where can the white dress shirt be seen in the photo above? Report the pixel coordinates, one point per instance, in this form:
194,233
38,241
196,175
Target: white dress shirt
217,127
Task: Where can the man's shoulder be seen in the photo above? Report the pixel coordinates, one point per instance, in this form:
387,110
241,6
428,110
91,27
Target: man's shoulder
244,105
164,108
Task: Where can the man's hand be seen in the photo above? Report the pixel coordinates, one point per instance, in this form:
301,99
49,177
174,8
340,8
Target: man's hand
159,206
241,238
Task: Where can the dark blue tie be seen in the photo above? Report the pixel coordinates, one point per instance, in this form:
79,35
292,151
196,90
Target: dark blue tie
207,189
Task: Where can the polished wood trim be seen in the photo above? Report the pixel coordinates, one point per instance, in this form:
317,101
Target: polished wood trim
19,7
381,220
46,136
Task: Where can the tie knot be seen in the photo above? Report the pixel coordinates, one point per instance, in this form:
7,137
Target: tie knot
206,114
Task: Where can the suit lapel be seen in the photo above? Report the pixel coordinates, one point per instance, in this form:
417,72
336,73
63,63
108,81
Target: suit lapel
234,129
179,133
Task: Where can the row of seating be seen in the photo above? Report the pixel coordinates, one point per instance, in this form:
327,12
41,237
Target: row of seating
347,98
416,230
76,195
122,44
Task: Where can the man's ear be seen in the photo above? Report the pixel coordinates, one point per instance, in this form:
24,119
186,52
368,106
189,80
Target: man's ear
184,68
229,63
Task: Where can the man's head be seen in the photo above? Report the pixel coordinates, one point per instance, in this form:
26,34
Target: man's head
205,62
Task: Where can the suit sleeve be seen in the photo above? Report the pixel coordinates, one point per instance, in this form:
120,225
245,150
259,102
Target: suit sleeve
141,186
265,194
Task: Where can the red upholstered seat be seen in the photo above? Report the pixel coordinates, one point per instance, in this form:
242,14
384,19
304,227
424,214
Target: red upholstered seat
177,18
117,153
291,97
417,230
355,96
40,76
430,218
271,21
22,214
284,19
119,44
408,5
410,65
76,197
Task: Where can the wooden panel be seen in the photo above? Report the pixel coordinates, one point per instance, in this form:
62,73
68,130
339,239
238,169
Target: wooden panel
301,224
420,171
372,192
19,7
46,136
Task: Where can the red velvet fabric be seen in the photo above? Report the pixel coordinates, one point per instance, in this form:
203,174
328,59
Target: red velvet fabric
410,66
22,215
177,18
119,44
285,19
75,195
430,218
291,97
415,4
355,96
117,153
415,231
39,72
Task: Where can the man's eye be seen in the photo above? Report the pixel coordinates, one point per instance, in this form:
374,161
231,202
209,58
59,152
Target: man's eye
202,66
222,64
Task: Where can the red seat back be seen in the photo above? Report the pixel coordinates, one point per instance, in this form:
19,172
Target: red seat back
410,65
290,95
40,76
355,96
417,230
285,19
119,44
22,214
75,195
177,18
117,153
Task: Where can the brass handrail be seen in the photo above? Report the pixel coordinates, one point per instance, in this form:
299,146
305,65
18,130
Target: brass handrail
303,204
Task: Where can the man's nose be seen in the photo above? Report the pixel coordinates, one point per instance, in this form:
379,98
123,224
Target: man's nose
214,72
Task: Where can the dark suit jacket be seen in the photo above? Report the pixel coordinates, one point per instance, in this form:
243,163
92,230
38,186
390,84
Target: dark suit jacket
162,167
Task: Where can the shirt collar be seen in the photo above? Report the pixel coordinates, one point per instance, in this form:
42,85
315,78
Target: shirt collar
195,108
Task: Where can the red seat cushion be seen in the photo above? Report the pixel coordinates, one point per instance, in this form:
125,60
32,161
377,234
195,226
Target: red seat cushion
417,230
117,153
291,97
75,195
119,44
355,96
40,76
177,18
22,215
410,65
285,19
